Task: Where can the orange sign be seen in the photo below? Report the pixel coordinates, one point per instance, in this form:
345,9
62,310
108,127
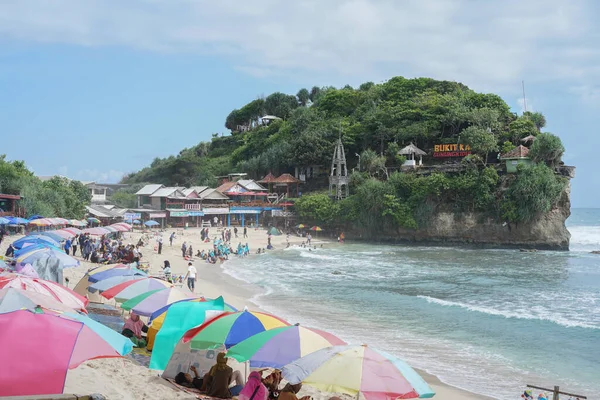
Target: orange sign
451,150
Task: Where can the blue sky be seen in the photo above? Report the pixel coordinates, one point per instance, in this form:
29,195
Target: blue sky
93,89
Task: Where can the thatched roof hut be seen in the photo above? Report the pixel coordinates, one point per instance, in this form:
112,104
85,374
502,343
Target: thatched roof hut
518,152
528,139
411,149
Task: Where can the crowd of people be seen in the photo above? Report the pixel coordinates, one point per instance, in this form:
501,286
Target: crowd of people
104,250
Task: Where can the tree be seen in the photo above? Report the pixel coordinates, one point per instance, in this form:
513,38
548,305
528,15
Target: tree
547,148
537,118
317,208
314,93
521,128
303,97
481,141
506,147
123,199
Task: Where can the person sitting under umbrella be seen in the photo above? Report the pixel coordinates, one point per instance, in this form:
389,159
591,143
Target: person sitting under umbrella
220,377
290,391
186,380
133,329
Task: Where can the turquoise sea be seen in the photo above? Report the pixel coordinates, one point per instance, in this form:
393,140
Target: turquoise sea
489,321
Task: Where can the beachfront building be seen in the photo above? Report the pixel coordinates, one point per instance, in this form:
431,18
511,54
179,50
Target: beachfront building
287,186
106,214
98,192
515,157
143,195
9,205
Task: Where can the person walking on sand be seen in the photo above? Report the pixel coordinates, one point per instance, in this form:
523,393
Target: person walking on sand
183,249
74,245
160,241
171,239
67,246
191,277
235,232
245,233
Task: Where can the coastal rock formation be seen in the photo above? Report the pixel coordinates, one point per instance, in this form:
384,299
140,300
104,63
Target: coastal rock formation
547,232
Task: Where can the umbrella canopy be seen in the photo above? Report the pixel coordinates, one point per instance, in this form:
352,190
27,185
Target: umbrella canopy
78,223
161,312
48,288
316,229
116,270
157,300
27,270
108,283
30,247
4,221
45,346
280,346
36,216
35,239
12,299
300,226
151,223
93,220
64,234
17,221
130,289
119,228
65,260
231,328
40,222
74,231
110,229
123,224
353,369
98,231
53,235
137,221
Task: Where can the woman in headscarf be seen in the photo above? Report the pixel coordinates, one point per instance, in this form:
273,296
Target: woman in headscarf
254,388
290,391
220,377
133,329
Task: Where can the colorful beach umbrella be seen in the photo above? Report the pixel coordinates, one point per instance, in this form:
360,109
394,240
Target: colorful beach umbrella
280,346
48,288
316,229
65,260
109,283
30,247
158,300
116,270
40,222
93,220
110,229
231,328
52,234
358,369
98,231
161,312
12,299
63,234
123,224
151,223
300,226
4,221
17,221
45,346
130,289
74,231
35,239
119,228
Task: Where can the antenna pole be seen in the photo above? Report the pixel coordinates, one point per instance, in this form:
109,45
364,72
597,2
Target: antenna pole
524,98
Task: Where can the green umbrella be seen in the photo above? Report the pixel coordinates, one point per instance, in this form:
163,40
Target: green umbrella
134,301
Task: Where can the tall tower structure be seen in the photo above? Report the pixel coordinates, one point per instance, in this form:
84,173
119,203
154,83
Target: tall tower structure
338,179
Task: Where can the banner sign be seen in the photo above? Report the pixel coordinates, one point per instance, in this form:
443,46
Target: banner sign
215,211
178,213
131,216
196,214
238,211
281,213
158,215
451,150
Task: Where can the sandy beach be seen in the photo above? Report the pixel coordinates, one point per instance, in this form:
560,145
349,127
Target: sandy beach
124,379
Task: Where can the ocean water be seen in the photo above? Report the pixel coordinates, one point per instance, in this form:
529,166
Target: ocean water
489,321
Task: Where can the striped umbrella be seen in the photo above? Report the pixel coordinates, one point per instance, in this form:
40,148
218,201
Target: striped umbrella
98,231
130,289
49,288
4,221
35,239
231,328
13,299
40,222
119,228
53,235
110,229
74,231
115,270
64,259
280,346
64,234
358,369
109,283
155,301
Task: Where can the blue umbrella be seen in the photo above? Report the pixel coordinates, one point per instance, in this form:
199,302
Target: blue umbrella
65,260
37,216
137,221
52,235
110,282
17,221
151,223
35,246
35,239
109,273
4,221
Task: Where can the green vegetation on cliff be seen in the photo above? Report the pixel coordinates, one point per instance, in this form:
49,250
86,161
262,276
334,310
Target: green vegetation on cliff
375,121
57,197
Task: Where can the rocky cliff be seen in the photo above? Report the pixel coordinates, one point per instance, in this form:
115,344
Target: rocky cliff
547,232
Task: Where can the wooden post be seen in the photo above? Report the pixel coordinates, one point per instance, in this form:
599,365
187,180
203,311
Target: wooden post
556,391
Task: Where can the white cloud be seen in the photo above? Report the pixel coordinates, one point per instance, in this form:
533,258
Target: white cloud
111,176
488,45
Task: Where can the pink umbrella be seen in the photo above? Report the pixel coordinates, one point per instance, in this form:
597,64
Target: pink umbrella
96,231
64,234
39,348
119,228
74,231
58,292
123,224
27,270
